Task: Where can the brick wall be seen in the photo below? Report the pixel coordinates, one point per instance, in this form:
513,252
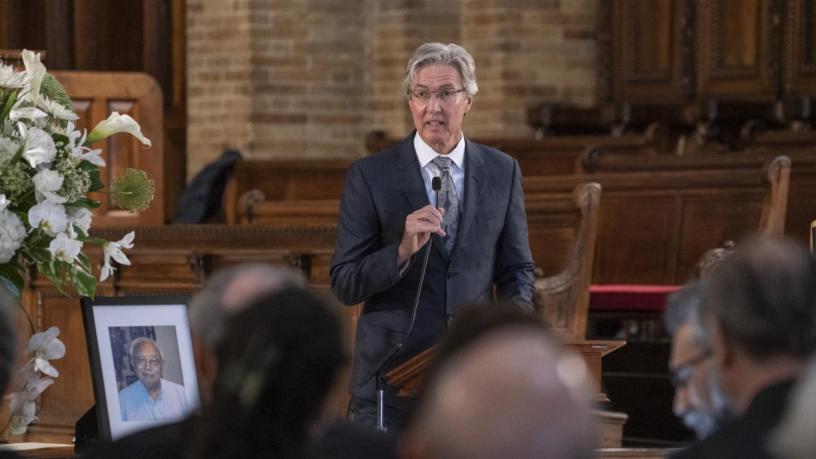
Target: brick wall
309,78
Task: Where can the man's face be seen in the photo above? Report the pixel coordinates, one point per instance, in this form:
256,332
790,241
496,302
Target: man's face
438,120
148,362
690,367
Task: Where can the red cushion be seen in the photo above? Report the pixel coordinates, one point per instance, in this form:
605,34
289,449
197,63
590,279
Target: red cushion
647,298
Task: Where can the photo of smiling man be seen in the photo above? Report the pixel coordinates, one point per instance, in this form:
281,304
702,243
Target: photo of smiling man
151,397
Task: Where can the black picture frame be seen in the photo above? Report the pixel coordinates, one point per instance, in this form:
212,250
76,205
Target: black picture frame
111,325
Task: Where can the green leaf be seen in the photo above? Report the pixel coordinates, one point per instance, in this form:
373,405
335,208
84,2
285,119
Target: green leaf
83,262
84,282
86,203
12,273
51,270
8,105
96,180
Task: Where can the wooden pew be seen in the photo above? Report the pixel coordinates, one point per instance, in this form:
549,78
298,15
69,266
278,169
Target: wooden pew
281,180
655,225
562,231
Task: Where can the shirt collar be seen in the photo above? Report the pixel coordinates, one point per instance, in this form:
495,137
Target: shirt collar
426,154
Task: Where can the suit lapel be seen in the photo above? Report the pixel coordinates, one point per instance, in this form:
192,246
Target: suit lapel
412,184
474,178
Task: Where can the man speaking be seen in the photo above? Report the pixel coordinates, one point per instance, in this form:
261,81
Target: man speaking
472,224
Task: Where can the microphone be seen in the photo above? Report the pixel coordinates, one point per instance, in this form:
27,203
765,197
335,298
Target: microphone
436,185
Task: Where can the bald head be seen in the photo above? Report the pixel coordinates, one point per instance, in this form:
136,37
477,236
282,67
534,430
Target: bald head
512,393
231,290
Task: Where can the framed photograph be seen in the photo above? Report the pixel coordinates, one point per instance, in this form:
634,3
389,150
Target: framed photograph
142,362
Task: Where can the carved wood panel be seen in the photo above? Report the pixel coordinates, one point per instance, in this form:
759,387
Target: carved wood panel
738,49
800,48
651,49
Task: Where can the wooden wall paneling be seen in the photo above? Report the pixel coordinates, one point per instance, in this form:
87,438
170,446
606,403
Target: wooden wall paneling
738,49
140,96
709,223
800,49
59,40
634,248
651,50
98,24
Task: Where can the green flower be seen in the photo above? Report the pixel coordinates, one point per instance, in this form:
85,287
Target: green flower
52,89
15,180
133,191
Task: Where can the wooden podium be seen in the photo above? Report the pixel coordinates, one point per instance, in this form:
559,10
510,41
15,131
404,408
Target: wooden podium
407,378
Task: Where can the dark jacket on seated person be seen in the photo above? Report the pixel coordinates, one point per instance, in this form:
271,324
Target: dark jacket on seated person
745,436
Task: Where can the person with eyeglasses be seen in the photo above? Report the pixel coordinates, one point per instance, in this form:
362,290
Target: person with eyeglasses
757,315
697,401
475,229
151,397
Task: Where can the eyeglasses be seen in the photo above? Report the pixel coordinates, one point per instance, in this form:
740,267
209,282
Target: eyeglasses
141,362
444,95
681,373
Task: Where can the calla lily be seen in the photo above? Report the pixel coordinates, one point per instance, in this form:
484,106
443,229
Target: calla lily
39,147
64,248
46,184
115,124
114,250
49,217
35,72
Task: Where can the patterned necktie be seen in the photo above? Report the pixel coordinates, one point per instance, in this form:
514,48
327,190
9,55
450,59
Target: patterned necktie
448,201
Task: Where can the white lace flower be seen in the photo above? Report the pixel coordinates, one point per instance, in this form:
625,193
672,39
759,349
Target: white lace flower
12,231
46,346
114,250
34,74
56,109
49,217
39,147
27,113
80,217
114,124
65,248
9,78
46,184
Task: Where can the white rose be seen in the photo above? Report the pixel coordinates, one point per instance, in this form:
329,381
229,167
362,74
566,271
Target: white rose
46,184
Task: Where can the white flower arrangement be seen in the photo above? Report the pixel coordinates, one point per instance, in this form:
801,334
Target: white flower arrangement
47,169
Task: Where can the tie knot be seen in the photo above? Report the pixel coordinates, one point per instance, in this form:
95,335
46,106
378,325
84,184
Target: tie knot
442,163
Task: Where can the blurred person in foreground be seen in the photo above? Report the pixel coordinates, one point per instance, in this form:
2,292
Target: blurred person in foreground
795,437
278,360
697,400
8,349
758,317
502,386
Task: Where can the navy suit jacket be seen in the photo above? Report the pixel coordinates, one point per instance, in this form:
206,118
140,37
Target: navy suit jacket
491,249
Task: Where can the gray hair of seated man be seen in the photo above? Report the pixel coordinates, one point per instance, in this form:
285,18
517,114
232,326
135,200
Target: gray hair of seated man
764,298
231,290
8,339
680,306
440,53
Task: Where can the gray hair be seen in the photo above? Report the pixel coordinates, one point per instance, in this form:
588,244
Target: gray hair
211,306
138,343
8,338
764,298
439,53
680,306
